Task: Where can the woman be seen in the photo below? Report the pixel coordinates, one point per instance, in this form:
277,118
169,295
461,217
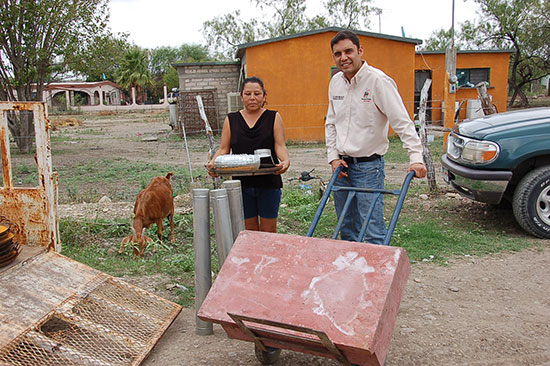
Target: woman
252,128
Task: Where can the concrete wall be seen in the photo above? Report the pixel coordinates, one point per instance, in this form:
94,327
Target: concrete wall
221,77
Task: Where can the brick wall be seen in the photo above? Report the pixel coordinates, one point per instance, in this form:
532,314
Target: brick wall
223,78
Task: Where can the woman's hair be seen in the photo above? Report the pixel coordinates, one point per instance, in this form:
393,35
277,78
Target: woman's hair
255,80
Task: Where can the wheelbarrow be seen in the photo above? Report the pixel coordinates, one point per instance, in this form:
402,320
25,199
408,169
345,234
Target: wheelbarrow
331,298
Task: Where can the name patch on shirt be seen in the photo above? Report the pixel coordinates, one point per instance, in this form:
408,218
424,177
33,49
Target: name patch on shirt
367,96
337,97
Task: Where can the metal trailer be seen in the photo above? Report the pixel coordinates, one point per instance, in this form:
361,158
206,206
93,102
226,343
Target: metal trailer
327,297
54,310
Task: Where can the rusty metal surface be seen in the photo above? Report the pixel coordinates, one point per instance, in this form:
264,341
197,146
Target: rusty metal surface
57,311
33,209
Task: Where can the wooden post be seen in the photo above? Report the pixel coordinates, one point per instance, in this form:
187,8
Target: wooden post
486,103
449,96
425,149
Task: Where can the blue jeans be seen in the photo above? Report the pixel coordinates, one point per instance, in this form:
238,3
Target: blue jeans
369,174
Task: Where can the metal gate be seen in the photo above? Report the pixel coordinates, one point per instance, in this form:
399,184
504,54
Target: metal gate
56,311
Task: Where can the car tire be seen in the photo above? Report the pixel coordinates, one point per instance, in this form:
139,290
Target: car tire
531,203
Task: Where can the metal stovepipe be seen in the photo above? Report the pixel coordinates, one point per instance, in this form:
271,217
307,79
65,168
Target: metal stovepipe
222,223
201,244
235,195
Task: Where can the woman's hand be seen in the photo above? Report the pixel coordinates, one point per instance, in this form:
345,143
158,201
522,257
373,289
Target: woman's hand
284,165
210,167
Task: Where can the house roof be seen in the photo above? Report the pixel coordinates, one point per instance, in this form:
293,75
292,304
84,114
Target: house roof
242,47
207,63
79,84
439,52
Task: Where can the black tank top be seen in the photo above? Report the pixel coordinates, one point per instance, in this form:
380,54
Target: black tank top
244,140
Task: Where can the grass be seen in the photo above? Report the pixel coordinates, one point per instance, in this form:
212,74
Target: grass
119,179
436,233
96,243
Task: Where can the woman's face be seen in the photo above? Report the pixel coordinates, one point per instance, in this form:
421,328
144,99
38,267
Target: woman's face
253,96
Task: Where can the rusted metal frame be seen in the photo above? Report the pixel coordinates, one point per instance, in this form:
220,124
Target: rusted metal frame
47,183
114,306
88,293
323,339
5,151
162,327
42,129
118,282
105,331
51,346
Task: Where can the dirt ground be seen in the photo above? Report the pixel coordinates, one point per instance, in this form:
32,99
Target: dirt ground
493,310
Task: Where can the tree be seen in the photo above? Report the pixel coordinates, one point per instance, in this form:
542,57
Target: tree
517,24
100,58
224,33
35,37
134,71
288,18
162,71
351,14
466,37
522,25
162,58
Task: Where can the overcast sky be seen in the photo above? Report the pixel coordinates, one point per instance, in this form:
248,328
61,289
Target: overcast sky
152,24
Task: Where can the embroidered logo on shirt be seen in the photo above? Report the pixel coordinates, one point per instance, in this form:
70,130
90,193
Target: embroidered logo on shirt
367,97
337,97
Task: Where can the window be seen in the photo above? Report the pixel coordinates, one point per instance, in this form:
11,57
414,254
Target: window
234,102
471,77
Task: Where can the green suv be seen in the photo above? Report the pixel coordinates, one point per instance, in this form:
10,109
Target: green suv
505,157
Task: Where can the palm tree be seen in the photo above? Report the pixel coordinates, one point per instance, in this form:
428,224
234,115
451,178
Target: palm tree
134,71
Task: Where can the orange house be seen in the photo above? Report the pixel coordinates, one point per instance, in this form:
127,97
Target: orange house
296,70
472,67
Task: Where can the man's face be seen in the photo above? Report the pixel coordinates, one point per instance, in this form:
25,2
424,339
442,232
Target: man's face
347,57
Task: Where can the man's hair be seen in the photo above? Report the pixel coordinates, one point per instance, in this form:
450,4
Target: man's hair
255,80
345,34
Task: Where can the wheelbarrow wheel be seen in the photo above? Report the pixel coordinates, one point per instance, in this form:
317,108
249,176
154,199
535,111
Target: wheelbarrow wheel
268,357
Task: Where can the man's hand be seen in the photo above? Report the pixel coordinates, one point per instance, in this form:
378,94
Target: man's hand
336,163
419,170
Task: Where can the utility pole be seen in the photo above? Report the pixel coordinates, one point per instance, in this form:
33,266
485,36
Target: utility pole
378,11
449,92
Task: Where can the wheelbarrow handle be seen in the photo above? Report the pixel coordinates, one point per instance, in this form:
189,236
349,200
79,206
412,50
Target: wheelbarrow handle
324,200
398,206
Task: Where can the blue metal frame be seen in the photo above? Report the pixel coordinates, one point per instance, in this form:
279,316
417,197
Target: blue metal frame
352,191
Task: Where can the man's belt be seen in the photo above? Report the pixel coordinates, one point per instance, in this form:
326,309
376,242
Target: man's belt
362,159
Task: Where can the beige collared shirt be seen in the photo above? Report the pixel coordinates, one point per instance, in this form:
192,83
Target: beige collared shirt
360,112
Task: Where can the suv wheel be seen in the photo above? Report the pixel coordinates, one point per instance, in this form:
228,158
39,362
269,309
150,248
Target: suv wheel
531,202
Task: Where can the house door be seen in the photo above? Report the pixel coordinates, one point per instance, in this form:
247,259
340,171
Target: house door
420,77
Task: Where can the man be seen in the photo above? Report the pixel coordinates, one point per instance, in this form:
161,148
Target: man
363,102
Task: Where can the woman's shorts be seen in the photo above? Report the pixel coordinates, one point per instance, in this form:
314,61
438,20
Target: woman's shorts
261,202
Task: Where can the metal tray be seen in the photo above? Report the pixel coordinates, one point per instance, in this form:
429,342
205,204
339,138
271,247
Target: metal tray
245,172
